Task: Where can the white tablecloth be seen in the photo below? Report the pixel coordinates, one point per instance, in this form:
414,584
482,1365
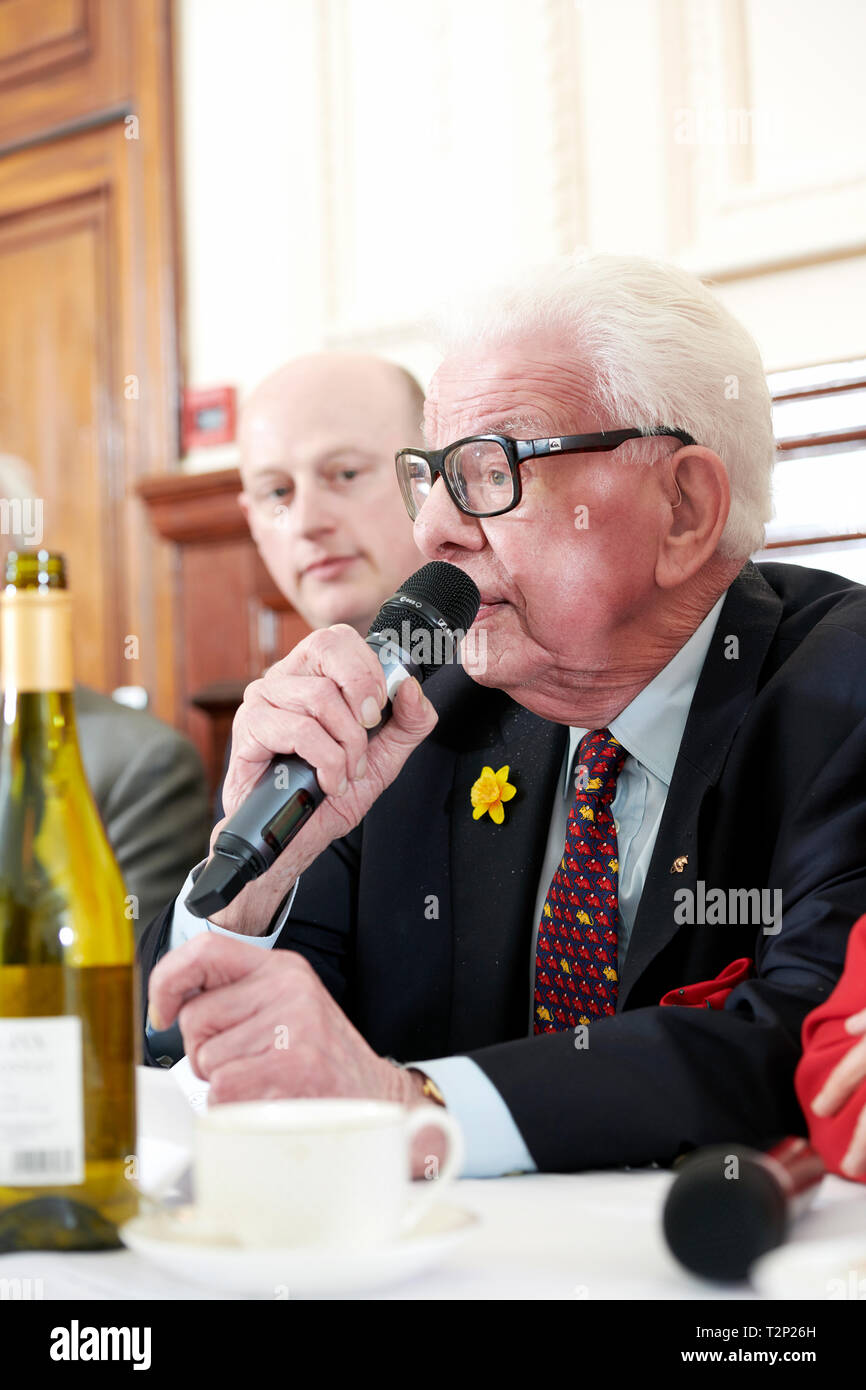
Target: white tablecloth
590,1235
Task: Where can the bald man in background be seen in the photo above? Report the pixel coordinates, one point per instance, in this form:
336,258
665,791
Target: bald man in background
320,493
322,501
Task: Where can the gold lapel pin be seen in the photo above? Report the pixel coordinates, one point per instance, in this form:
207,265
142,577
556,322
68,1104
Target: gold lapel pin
679,863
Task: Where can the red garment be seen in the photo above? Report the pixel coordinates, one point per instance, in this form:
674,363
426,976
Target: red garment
711,994
825,1042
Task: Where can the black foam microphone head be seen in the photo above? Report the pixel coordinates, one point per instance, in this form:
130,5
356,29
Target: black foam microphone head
436,596
720,1217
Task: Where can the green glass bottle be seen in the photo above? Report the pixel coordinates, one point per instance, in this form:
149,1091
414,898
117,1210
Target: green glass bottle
67,1005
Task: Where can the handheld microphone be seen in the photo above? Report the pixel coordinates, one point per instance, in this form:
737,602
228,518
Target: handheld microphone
414,632
730,1204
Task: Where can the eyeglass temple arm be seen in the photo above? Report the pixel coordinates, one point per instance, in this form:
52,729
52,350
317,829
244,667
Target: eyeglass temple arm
576,443
573,443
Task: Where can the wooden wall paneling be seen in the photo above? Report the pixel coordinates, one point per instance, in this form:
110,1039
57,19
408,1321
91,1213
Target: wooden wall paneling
152,420
115,170
189,507
61,62
215,628
61,323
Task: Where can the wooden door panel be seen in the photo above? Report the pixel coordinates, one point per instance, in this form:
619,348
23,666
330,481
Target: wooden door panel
85,388
60,62
35,38
89,362
53,296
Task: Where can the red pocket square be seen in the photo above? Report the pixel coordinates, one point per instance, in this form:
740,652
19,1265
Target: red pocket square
711,994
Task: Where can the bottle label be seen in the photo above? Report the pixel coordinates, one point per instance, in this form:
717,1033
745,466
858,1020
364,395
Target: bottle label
36,639
41,1102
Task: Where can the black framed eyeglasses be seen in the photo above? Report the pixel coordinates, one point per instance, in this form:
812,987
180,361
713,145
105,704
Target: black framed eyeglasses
482,473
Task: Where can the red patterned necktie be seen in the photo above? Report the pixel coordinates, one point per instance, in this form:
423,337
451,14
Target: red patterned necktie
576,958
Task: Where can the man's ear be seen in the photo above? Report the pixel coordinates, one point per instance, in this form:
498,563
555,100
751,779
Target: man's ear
697,502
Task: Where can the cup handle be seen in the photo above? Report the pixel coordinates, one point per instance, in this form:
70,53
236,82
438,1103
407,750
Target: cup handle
422,1201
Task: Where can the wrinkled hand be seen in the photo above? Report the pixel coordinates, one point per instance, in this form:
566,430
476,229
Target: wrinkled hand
260,1025
320,701
840,1085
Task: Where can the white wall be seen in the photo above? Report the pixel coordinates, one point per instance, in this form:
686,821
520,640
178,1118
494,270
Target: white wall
249,155
345,163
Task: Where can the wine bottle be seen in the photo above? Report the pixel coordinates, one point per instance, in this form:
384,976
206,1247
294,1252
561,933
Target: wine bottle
67,1006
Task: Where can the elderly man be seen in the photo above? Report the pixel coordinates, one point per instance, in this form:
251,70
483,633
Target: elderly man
317,441
611,963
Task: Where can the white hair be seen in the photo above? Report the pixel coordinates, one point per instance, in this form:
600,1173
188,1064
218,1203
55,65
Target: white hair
659,350
16,486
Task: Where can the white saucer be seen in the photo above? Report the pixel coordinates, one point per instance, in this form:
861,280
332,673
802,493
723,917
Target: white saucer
168,1239
828,1270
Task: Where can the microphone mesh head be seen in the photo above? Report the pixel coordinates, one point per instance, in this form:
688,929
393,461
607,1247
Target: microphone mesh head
446,589
718,1224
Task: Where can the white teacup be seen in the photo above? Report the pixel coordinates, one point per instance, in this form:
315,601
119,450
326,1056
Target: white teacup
316,1172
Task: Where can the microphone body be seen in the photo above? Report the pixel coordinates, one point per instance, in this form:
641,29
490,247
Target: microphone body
730,1204
288,792
281,802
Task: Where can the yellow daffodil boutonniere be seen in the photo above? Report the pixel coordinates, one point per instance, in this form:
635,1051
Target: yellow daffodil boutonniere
489,792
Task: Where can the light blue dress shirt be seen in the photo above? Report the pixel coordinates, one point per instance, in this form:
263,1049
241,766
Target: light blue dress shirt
184,925
651,729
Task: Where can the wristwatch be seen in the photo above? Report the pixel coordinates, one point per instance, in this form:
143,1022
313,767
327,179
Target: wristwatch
429,1089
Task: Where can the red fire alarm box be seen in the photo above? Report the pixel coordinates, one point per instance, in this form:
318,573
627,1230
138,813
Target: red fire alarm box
209,416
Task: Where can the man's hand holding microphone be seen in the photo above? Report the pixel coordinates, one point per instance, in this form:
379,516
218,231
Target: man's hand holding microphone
230,998
321,702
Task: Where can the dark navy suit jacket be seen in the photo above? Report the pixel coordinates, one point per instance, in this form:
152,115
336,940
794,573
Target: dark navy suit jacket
768,792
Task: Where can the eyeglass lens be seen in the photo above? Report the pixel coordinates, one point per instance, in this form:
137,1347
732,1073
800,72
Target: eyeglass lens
480,475
477,472
414,476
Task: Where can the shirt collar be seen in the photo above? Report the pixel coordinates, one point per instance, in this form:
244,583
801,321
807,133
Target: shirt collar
651,726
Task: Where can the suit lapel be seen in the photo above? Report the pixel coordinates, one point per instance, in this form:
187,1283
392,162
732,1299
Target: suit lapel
495,873
725,689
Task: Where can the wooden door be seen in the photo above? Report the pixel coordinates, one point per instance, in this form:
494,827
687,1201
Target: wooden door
88,343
